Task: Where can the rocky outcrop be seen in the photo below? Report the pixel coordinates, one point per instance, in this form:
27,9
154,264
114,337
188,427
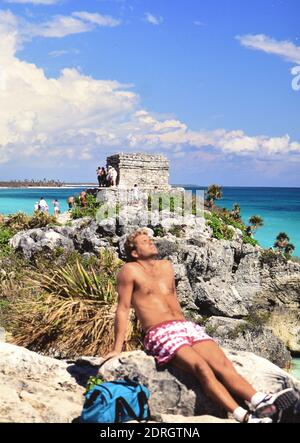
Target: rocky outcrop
213,277
35,388
83,235
280,297
243,335
285,323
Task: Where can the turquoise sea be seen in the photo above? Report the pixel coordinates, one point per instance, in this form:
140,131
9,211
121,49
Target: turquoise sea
279,208
23,199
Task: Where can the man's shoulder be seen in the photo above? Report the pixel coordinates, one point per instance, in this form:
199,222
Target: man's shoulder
128,268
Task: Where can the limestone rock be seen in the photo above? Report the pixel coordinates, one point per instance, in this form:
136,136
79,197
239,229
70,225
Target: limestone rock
36,389
38,240
241,335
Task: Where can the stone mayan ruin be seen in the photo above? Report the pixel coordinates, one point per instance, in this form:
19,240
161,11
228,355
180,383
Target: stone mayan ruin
145,170
149,171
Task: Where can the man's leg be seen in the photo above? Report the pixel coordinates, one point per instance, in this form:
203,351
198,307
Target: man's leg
188,360
263,404
222,367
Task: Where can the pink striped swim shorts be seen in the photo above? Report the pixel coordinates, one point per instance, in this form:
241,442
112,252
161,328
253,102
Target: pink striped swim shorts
163,340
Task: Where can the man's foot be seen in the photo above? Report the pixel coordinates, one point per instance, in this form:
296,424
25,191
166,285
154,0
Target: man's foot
252,418
275,403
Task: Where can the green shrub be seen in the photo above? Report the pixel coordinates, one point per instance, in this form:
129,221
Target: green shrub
158,231
90,210
20,221
220,230
249,240
5,236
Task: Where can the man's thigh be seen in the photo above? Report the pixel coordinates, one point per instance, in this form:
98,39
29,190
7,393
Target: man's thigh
187,359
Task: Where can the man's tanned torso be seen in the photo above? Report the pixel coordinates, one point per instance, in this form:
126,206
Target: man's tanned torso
154,295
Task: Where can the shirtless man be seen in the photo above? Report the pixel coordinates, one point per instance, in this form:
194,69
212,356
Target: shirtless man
147,284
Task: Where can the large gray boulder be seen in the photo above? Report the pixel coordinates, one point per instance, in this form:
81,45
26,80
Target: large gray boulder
40,240
36,389
83,235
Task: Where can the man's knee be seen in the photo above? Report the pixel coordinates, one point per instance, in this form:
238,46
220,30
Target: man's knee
202,370
223,366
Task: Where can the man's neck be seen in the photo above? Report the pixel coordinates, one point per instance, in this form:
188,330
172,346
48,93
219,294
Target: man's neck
148,263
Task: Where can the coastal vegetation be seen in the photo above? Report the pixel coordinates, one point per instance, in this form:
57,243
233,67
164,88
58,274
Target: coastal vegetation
31,183
213,192
90,210
256,222
283,245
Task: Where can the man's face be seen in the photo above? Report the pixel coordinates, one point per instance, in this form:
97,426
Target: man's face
144,247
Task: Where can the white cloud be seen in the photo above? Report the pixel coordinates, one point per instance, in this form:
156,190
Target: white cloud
78,22
58,26
198,23
261,42
97,19
58,53
61,52
34,2
152,19
74,116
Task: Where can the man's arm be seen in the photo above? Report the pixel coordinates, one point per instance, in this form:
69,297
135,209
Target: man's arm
125,284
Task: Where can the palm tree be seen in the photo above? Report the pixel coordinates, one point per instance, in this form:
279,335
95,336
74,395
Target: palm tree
236,212
288,250
256,221
282,240
214,192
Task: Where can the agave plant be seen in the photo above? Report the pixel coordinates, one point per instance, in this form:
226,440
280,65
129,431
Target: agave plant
74,313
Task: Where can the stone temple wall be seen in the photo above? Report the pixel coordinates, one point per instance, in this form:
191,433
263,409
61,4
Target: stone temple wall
146,170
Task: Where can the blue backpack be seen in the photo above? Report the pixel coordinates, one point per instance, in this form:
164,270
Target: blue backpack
116,402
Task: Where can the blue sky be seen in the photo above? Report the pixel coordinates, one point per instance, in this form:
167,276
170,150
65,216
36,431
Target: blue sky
207,83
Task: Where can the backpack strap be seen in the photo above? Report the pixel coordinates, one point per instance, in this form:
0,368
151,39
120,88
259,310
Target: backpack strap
143,402
121,404
90,401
